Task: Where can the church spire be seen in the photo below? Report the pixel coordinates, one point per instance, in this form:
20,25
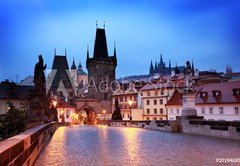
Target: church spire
100,46
169,66
87,52
151,70
65,52
55,51
115,54
73,65
161,59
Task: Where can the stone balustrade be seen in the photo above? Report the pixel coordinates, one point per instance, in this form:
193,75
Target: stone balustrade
163,125
24,148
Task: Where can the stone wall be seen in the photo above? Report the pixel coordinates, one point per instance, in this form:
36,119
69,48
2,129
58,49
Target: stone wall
162,125
221,129
24,148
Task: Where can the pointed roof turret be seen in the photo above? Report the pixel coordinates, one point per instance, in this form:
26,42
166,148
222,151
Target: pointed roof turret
73,67
100,46
193,70
115,54
169,66
161,59
151,70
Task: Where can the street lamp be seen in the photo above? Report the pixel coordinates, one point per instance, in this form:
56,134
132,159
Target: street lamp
62,113
54,105
104,111
130,104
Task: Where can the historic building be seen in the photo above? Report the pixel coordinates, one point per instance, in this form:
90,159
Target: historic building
162,69
18,95
214,101
97,102
59,80
129,103
79,76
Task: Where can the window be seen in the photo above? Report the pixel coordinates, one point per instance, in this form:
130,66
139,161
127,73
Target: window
130,97
211,110
156,92
221,110
141,94
147,118
125,98
155,102
161,101
147,102
162,92
148,93
121,99
177,110
171,111
154,118
236,110
161,111
160,118
203,110
148,111
123,115
155,111
128,116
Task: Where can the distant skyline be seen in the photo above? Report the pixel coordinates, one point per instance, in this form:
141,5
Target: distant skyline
206,31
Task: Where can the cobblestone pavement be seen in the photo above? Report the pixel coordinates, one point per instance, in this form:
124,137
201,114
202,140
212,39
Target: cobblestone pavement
102,145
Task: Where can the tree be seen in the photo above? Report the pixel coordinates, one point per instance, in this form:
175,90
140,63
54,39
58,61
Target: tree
12,122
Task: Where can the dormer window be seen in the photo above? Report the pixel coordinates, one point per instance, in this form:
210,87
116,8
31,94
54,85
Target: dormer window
236,91
203,94
216,93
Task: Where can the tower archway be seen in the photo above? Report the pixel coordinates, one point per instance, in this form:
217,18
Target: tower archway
86,115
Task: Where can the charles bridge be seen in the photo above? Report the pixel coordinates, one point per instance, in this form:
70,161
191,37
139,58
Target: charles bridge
184,142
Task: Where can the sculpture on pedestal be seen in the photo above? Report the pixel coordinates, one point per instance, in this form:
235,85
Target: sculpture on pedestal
117,112
39,103
188,77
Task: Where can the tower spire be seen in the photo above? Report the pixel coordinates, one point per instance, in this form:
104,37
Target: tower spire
151,70
55,51
65,52
161,59
87,52
96,24
103,24
169,66
115,54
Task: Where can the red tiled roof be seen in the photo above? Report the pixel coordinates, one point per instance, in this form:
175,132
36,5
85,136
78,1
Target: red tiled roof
225,97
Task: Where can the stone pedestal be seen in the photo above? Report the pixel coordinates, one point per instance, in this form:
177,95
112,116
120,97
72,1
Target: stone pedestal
188,104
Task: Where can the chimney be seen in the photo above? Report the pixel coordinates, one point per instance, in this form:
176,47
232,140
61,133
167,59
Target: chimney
172,73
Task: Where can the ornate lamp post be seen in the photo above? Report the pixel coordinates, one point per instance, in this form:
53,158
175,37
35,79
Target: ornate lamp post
130,104
54,105
104,111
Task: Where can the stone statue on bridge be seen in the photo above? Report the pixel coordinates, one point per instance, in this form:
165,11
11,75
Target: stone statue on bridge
39,77
188,73
117,112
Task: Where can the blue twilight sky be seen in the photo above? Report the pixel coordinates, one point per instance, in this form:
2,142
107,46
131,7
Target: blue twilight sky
206,30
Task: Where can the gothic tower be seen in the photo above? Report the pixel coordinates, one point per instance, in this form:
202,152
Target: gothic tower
74,72
101,69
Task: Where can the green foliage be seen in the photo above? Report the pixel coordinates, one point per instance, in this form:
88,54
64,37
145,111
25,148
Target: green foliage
12,122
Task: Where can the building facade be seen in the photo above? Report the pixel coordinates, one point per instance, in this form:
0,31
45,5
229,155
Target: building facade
216,101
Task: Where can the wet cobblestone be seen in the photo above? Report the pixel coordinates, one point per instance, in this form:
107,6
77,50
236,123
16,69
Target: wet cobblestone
101,145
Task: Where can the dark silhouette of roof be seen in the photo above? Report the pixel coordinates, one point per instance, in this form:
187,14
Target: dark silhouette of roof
10,90
60,62
74,67
100,47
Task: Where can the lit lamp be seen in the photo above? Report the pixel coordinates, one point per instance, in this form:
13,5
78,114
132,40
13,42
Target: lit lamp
54,105
104,111
62,114
130,104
